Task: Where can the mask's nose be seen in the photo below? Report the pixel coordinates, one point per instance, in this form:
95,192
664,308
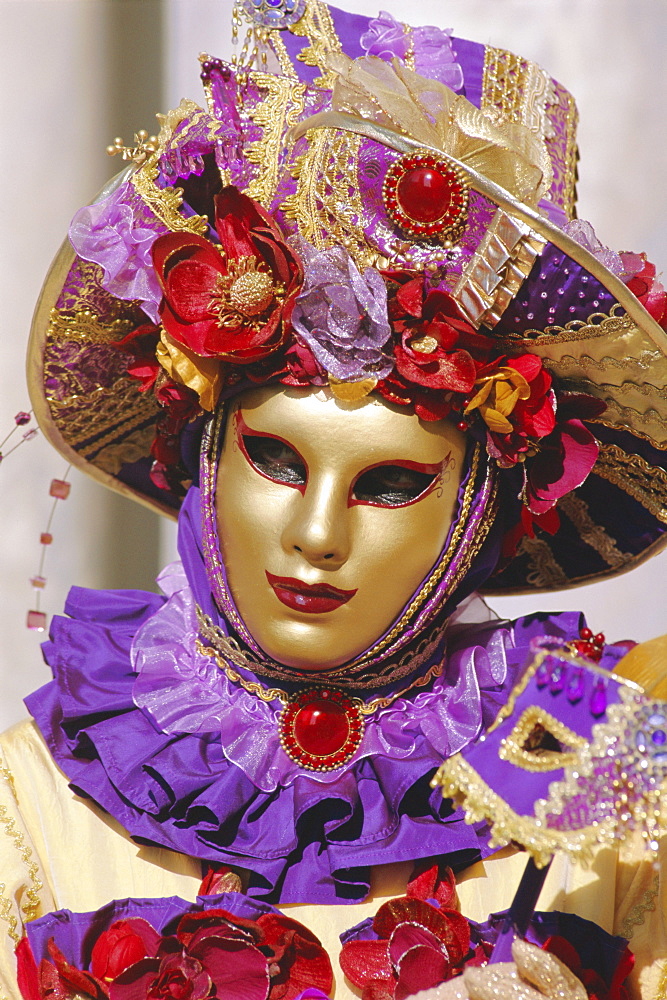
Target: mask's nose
319,526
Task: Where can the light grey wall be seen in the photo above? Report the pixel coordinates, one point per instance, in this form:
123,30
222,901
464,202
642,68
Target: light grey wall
75,73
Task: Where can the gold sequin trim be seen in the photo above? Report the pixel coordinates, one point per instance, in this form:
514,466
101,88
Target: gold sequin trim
593,534
635,476
637,914
514,749
280,109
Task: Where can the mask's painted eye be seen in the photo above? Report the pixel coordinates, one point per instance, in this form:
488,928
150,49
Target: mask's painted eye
393,485
275,459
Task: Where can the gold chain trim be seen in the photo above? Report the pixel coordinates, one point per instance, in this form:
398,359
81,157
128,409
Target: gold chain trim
635,917
593,534
513,748
277,694
280,109
635,476
642,363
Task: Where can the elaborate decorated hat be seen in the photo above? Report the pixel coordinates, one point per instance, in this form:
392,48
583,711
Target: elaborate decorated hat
374,208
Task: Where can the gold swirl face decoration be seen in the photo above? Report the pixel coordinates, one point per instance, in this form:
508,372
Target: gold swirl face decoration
330,515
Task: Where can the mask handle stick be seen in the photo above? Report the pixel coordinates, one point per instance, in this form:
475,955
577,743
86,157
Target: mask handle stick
515,923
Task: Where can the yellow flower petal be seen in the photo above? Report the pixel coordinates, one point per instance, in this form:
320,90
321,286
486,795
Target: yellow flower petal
204,375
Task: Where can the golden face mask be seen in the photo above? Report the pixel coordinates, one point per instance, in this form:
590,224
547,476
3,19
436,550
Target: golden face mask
330,517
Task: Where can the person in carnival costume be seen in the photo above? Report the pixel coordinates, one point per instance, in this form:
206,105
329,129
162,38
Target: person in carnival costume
344,324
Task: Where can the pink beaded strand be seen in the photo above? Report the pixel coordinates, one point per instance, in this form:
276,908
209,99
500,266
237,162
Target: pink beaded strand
36,619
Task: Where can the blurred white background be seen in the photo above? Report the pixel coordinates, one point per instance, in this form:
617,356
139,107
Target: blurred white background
76,73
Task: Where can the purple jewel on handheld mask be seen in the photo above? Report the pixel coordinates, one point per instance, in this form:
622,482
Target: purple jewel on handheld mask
599,697
342,315
576,687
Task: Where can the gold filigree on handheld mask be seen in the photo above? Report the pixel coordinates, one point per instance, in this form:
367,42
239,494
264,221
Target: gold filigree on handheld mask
330,517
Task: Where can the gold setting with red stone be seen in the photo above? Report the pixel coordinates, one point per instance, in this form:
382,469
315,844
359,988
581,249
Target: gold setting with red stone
427,197
320,728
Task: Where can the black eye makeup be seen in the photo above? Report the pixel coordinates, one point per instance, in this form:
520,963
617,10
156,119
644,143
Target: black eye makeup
272,457
394,485
275,460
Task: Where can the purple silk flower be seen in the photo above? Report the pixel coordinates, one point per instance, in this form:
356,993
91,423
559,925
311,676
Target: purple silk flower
342,315
434,56
109,234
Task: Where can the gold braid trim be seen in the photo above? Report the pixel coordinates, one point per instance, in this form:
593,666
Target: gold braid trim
318,27
165,202
34,884
642,481
280,109
543,570
593,534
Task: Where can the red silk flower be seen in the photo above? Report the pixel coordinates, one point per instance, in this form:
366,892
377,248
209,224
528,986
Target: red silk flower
209,955
233,301
430,351
422,941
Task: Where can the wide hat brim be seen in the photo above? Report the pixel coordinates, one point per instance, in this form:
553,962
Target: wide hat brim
96,415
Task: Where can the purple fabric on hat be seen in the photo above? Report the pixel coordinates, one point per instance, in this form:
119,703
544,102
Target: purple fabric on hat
108,234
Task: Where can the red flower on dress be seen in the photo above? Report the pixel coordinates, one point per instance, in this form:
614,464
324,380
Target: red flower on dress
422,941
213,954
233,301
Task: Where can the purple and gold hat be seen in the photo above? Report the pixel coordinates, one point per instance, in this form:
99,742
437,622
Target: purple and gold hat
377,208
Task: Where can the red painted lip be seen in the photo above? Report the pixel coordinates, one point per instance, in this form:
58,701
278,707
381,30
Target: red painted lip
311,598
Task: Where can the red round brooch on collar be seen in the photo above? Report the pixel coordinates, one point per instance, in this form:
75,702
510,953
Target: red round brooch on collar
426,196
320,729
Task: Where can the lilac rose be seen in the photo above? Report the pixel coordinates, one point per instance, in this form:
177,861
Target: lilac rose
342,315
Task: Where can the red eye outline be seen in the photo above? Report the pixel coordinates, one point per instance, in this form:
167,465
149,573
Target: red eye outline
242,430
427,470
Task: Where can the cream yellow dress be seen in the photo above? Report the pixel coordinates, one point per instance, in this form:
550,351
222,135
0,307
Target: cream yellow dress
60,851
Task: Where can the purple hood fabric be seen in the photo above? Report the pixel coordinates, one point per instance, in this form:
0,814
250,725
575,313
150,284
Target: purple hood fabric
152,732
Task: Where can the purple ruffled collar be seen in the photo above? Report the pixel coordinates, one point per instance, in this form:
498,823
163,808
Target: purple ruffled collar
135,717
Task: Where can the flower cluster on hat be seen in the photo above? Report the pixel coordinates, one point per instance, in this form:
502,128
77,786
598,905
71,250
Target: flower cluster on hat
430,47
209,953
413,943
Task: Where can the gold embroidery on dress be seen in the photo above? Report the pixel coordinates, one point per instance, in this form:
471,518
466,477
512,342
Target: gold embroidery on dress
33,885
543,570
280,109
527,747
635,476
327,202
524,93
562,147
87,327
593,534
165,202
637,914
